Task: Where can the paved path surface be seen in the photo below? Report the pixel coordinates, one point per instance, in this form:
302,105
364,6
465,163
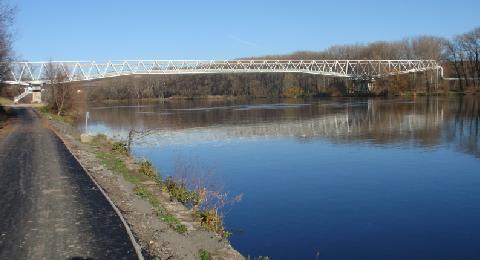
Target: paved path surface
49,207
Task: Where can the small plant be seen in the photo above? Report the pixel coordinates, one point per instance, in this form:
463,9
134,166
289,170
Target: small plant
211,220
181,228
204,254
141,192
147,169
119,148
51,115
44,109
181,193
172,221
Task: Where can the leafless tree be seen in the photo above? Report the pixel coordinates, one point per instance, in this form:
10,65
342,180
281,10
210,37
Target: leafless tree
463,52
7,14
60,92
136,136
452,55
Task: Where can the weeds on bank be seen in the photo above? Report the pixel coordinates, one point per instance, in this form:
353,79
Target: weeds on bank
147,169
204,254
119,148
205,203
113,162
212,221
180,192
45,110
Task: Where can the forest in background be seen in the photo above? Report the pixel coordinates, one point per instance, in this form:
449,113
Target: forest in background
459,56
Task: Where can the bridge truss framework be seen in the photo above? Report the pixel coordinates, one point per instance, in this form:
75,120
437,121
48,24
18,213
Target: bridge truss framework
26,73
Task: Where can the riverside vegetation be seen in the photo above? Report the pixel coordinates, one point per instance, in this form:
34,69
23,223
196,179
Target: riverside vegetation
163,195
114,160
205,203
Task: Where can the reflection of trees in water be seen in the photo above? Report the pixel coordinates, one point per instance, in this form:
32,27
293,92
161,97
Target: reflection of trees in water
424,121
463,129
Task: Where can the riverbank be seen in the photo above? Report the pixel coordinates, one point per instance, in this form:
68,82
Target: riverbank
213,98
164,228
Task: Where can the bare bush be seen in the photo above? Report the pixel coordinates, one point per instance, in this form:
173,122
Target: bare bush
213,199
136,136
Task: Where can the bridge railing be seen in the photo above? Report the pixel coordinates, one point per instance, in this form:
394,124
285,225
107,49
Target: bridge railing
37,72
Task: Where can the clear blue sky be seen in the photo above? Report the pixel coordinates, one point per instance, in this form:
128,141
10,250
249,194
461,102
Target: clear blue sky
104,29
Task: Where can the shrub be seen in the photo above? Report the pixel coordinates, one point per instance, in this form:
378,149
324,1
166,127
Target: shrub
44,109
119,148
181,193
211,220
141,192
147,169
204,254
180,228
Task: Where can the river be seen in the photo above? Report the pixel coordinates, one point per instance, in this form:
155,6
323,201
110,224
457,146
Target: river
326,178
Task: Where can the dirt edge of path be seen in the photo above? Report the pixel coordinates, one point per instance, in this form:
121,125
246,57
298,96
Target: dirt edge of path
151,237
138,249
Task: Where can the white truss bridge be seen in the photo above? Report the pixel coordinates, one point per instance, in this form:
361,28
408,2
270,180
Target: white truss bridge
27,72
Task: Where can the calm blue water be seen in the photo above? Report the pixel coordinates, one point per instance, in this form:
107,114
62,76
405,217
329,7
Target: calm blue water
328,179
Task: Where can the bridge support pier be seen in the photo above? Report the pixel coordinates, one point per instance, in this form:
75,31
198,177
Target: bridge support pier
36,96
362,86
35,90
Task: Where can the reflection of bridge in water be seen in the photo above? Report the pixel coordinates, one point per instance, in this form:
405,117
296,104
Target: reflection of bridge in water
426,123
342,124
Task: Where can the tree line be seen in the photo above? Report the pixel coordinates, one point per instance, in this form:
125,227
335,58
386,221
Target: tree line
462,55
459,56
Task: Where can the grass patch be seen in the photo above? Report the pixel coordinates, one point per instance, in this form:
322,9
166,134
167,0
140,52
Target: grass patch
46,111
141,192
115,162
181,193
204,254
120,148
113,156
5,101
172,221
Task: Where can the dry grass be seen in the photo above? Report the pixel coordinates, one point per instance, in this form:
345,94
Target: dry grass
5,101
